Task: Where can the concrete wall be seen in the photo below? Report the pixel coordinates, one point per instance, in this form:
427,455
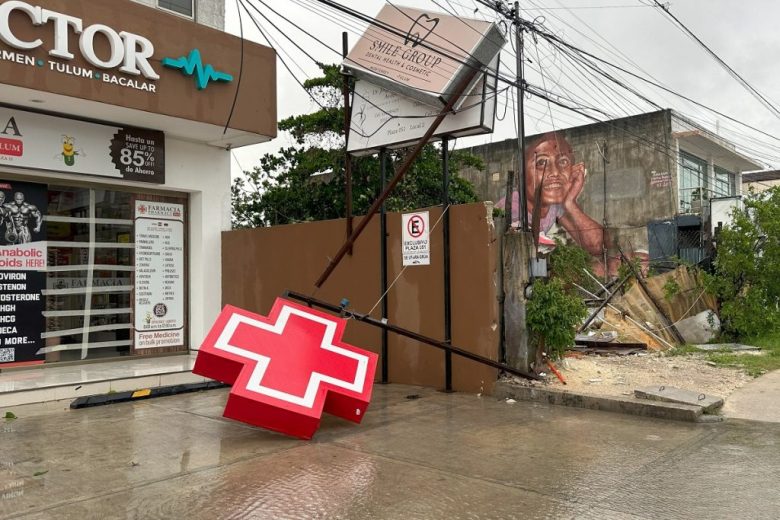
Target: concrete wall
207,12
641,174
259,264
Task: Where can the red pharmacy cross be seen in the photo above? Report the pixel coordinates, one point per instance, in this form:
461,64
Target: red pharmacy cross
288,368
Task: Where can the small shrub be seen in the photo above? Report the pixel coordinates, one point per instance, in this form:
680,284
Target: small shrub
569,264
671,289
552,316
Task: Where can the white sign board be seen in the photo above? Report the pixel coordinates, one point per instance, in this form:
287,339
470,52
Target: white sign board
416,244
30,140
159,274
423,54
384,118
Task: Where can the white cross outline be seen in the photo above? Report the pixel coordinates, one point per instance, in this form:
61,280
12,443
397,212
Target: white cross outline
262,362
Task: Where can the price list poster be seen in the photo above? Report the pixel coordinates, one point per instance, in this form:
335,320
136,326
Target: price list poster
159,275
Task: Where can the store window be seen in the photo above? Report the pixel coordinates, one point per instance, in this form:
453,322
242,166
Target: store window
114,282
182,7
693,183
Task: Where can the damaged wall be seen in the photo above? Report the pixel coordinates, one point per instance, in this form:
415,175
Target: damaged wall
680,295
259,264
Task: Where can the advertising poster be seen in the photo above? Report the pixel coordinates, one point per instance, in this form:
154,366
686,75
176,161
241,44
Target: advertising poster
416,244
22,270
159,274
30,140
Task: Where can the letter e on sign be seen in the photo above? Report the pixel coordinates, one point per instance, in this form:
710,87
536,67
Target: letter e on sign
416,247
416,226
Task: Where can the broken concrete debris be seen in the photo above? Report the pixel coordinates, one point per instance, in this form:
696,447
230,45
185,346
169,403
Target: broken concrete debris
670,394
647,314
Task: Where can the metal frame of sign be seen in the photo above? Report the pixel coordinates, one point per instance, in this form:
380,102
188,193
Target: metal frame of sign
486,90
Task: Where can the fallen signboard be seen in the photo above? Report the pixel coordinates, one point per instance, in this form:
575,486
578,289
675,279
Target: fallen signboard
287,368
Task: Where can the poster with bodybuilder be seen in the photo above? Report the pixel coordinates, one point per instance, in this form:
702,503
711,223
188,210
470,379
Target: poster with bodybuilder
22,271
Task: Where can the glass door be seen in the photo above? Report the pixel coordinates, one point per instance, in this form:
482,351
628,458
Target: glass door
89,292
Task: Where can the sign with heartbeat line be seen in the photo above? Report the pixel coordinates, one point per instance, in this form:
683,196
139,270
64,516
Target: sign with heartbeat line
192,65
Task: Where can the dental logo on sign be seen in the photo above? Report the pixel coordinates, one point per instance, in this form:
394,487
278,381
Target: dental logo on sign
127,65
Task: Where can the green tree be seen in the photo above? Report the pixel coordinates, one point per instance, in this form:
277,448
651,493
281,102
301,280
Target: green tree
746,275
306,181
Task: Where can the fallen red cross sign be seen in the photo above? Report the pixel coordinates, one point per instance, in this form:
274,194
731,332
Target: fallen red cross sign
288,368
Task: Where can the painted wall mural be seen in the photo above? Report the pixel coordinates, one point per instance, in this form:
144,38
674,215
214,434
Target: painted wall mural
556,180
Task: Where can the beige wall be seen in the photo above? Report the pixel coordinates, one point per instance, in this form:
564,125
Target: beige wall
259,264
759,186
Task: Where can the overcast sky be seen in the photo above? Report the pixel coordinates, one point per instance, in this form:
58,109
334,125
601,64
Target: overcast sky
626,32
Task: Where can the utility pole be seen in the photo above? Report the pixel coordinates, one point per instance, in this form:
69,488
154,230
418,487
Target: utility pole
523,196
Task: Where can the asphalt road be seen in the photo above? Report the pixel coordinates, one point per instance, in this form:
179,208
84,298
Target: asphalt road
418,454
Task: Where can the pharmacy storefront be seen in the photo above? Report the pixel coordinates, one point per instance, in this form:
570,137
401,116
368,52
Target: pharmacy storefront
116,124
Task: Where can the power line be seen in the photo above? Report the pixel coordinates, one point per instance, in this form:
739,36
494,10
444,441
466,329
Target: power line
755,93
563,44
548,95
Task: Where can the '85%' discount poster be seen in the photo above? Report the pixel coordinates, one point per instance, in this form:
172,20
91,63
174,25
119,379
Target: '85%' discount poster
22,271
159,274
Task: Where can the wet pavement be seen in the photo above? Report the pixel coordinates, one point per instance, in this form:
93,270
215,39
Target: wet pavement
418,454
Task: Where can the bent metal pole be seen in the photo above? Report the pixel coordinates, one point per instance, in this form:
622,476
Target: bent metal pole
382,324
398,176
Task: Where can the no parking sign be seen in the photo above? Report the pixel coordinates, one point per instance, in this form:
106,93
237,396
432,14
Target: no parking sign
416,243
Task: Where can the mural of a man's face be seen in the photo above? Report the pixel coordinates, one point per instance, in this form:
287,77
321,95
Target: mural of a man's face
19,198
2,197
551,158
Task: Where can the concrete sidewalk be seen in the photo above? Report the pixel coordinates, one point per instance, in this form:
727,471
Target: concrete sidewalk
419,454
759,400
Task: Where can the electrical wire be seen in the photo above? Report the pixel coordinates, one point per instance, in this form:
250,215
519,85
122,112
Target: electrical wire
755,93
559,103
240,70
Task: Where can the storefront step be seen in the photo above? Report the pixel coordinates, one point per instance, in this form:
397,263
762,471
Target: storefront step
45,384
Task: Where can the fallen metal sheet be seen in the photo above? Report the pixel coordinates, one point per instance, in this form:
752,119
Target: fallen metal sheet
599,338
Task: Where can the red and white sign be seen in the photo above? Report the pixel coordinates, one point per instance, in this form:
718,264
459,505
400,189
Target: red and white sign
416,244
12,147
287,368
